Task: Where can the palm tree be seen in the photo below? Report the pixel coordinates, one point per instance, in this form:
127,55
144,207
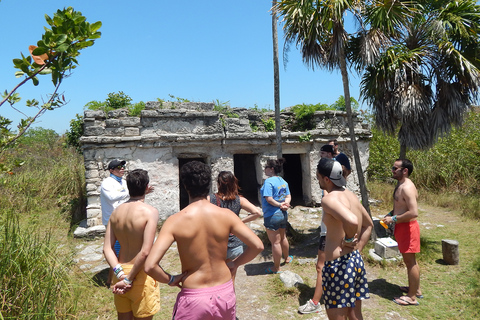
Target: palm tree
318,28
276,80
428,77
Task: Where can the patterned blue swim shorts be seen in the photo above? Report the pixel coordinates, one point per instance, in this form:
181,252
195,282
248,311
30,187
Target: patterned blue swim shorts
344,281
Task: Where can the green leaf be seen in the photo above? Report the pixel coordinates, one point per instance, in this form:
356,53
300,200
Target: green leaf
39,51
62,48
17,62
46,71
61,38
18,74
95,26
35,81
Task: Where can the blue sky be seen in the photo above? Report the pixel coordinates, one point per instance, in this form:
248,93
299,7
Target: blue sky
197,50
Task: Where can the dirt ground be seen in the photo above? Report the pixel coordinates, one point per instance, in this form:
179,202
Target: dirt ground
252,284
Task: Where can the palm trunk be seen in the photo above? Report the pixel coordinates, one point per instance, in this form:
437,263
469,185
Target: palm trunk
276,81
356,155
403,151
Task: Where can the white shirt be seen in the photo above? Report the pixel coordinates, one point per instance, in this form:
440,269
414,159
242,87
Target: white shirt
112,194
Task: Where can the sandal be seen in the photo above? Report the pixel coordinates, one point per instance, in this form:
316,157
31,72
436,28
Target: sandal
270,271
289,261
405,289
404,302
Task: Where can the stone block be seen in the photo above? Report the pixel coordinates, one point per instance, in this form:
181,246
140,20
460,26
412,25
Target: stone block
132,131
450,251
386,248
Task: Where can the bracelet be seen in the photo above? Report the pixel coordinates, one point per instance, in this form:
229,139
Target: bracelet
127,281
172,279
394,218
348,240
118,275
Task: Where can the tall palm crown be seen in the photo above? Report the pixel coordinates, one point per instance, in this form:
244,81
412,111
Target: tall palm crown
317,28
425,74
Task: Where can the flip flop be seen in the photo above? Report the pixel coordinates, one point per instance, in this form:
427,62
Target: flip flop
270,271
291,259
405,289
401,301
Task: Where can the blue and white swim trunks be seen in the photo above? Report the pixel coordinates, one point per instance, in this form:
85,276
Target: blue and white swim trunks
344,281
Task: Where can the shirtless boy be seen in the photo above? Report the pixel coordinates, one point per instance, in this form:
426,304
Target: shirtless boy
201,232
349,227
407,230
133,224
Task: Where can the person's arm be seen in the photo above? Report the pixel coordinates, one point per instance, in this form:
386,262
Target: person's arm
152,263
366,229
253,242
254,212
112,260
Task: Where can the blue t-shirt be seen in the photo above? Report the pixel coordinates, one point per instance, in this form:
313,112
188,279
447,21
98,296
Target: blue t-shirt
274,187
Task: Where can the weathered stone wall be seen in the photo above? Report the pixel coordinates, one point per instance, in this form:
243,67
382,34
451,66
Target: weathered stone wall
163,134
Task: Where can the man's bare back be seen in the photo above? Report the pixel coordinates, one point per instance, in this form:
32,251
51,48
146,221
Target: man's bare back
201,231
342,208
133,224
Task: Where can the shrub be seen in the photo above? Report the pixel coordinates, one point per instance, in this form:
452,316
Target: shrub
35,282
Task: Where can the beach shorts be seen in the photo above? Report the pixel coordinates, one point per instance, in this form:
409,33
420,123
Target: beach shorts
217,302
144,297
344,281
235,252
276,221
321,244
407,235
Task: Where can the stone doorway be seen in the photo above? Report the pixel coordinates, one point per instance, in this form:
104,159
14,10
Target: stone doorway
292,173
245,171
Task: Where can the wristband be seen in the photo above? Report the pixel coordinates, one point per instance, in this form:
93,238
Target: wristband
348,240
394,218
118,275
127,281
172,279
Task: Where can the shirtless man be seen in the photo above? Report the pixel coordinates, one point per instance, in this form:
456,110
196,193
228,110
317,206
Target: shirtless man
407,230
349,227
133,224
201,232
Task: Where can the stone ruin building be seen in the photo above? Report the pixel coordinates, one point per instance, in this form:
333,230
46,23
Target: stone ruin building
169,134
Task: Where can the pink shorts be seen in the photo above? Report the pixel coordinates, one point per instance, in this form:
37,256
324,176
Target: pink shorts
206,303
407,235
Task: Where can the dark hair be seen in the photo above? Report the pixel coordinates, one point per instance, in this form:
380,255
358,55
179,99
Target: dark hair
407,164
137,182
277,165
196,177
324,166
227,185
334,142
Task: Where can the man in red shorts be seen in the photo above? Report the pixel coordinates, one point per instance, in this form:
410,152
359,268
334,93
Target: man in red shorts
407,230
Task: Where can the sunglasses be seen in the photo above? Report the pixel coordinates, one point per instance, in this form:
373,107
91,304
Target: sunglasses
395,168
120,167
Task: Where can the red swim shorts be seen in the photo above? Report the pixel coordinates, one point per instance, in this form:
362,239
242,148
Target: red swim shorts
407,235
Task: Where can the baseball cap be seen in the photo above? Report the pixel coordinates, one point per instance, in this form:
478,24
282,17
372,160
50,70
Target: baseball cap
115,163
328,148
333,170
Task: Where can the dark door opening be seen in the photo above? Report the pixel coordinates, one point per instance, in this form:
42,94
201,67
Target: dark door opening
244,170
183,193
292,173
